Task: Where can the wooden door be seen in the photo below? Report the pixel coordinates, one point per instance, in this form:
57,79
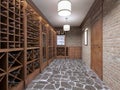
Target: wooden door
96,48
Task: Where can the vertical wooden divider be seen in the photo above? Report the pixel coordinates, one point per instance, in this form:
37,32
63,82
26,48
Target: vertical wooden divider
47,43
25,43
40,41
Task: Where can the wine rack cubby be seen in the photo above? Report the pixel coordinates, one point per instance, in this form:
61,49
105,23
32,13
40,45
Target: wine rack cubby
33,60
3,70
11,69
15,68
3,63
15,77
32,28
10,21
60,51
15,59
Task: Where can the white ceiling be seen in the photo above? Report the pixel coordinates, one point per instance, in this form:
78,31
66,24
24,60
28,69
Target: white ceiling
49,10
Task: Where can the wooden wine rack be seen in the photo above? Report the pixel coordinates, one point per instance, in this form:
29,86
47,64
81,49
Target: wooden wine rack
11,24
32,55
51,44
32,28
33,60
11,43
21,48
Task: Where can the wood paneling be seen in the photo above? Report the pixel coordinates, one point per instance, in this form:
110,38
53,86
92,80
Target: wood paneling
96,48
74,52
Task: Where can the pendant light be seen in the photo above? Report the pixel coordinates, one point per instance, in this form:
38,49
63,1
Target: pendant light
66,27
64,8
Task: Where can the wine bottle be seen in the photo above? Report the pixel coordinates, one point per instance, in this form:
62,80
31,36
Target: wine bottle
17,45
12,82
4,38
4,2
17,25
36,64
11,30
17,18
11,23
4,29
10,1
11,62
4,12
11,45
16,72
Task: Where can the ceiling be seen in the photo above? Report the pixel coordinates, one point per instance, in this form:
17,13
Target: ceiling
49,9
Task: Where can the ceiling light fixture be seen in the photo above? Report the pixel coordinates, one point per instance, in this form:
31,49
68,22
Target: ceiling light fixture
66,27
64,8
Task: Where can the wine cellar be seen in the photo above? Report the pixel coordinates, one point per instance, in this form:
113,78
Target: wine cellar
27,44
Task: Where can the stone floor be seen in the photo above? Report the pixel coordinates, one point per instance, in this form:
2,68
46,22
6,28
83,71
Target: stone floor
67,75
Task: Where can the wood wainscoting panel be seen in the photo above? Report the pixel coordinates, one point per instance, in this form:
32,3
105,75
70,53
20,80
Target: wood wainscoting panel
75,52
